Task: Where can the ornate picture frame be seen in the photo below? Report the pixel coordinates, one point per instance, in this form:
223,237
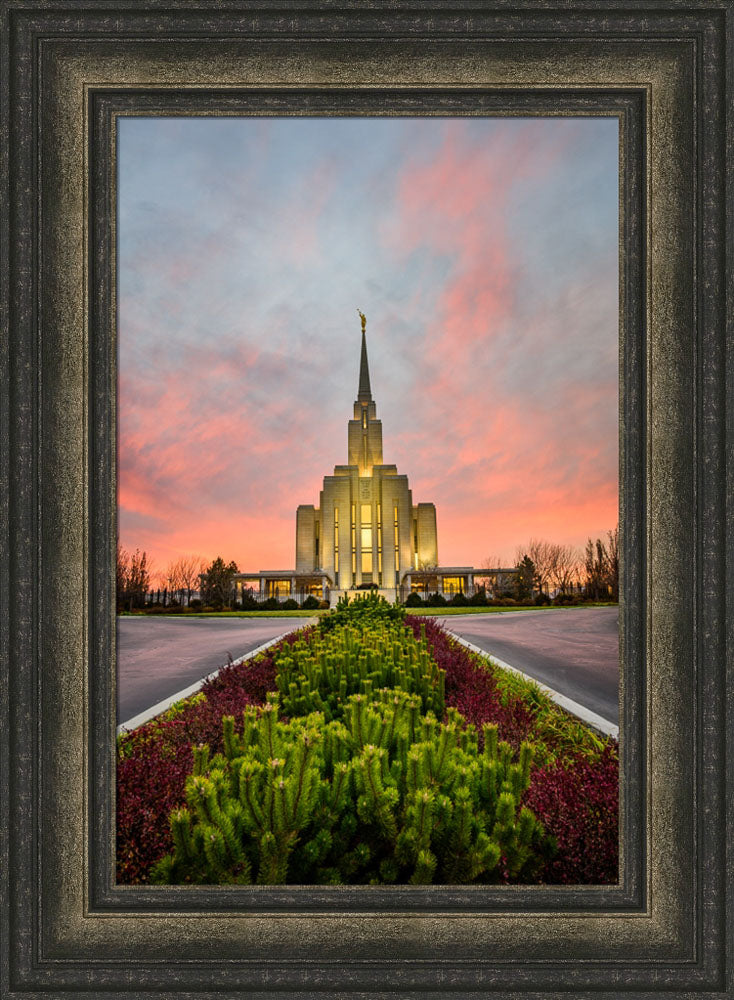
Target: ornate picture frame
68,72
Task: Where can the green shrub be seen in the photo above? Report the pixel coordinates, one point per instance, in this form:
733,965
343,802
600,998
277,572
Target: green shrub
564,600
311,603
387,795
289,605
370,607
319,671
414,600
459,601
478,598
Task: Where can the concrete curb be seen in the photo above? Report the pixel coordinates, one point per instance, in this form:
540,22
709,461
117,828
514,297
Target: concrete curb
588,717
162,706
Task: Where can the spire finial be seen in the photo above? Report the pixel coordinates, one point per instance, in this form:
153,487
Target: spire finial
364,394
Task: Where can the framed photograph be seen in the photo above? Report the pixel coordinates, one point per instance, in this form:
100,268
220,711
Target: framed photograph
474,411
102,97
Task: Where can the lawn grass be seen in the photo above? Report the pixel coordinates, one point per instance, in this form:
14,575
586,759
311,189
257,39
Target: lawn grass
224,614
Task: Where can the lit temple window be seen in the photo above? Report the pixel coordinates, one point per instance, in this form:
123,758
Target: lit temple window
379,539
397,540
366,535
336,541
354,538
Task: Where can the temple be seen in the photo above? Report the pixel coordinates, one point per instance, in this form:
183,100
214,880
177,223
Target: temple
366,531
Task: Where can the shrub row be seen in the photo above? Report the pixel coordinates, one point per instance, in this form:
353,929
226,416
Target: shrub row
196,606
480,599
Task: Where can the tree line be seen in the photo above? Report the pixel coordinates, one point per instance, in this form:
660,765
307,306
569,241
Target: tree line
543,568
138,583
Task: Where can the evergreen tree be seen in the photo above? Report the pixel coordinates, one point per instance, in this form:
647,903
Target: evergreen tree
525,578
217,583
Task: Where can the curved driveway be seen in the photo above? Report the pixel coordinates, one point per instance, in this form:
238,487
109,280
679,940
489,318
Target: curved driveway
157,657
575,651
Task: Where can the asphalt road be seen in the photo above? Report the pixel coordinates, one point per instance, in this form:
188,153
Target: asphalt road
575,651
157,657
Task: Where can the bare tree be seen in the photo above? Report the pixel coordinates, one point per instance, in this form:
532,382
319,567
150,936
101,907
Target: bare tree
182,576
563,566
188,570
601,565
489,572
138,579
541,554
133,578
613,562
123,570
174,584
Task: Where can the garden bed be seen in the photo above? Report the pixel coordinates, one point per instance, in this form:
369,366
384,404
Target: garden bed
486,718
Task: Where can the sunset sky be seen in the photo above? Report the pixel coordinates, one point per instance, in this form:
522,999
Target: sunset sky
484,255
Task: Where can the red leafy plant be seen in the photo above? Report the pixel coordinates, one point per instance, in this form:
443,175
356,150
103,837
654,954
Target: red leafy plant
154,760
576,798
580,805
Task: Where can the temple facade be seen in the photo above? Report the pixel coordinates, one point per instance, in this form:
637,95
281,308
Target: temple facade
366,530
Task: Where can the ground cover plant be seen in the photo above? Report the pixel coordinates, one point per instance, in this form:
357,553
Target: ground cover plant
370,748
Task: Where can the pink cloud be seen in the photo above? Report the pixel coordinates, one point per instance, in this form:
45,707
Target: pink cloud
455,206
521,435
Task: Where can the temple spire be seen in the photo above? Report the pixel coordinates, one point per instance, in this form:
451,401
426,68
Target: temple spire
364,394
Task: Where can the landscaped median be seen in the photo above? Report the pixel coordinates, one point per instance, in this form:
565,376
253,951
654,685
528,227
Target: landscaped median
368,749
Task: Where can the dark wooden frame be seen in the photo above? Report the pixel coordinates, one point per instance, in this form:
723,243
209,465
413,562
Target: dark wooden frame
68,71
